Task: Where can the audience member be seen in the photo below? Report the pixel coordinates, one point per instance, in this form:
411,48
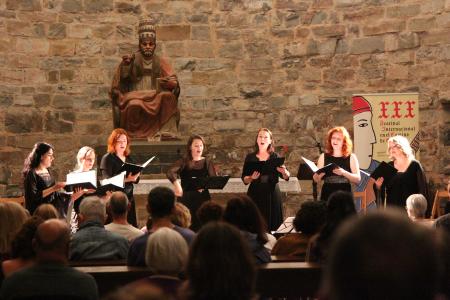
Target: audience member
209,211
92,241
243,213
50,277
142,292
340,206
382,256
46,211
12,217
160,205
220,265
166,256
119,206
22,252
181,215
308,221
416,207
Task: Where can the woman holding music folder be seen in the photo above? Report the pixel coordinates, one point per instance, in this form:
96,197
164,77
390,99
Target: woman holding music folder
409,178
183,175
262,168
112,164
345,168
39,183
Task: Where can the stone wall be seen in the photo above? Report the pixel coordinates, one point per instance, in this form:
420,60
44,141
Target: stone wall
242,64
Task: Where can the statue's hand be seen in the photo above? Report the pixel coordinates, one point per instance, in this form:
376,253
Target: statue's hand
126,59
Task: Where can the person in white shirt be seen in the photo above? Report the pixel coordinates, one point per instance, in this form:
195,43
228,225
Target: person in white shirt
119,206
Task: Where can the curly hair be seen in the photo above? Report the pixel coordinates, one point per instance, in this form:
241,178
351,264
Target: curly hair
347,145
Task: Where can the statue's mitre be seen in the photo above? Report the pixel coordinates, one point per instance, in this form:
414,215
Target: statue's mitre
146,29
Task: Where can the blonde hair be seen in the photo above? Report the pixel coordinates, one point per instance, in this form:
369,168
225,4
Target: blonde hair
402,143
12,217
166,252
81,155
181,215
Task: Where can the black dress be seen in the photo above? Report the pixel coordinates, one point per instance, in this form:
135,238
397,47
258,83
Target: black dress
34,184
266,194
404,184
335,182
185,170
110,166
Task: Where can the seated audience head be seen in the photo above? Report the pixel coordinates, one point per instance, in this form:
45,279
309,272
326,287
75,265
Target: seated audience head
119,204
181,216
51,241
138,292
21,246
92,209
12,217
416,206
310,217
243,213
209,211
166,252
160,202
220,264
46,211
382,256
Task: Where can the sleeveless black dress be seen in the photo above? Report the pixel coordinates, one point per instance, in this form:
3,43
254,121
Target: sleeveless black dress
335,183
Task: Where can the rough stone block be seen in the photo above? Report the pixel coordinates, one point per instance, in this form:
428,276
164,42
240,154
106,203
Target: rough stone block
422,24
62,101
229,125
311,74
367,45
23,121
403,11
26,5
34,46
79,31
292,5
384,27
397,72
35,76
72,6
329,30
408,40
436,38
346,3
11,76
41,100
195,91
127,8
200,49
103,31
200,33
60,48
198,18
19,28
173,32
230,50
57,31
53,76
6,100
53,124
96,6
89,47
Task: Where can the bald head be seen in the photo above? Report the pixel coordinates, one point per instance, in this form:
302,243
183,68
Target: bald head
51,241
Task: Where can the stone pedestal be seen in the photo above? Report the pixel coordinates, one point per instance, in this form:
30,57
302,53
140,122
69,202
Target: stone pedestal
290,190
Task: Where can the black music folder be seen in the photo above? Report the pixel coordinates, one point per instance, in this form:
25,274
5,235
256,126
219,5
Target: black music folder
134,168
209,183
264,167
328,169
84,180
115,183
384,170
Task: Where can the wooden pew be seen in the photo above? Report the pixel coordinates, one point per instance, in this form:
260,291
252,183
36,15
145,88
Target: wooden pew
281,279
20,200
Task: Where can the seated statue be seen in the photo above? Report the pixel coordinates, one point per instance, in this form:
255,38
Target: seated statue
145,91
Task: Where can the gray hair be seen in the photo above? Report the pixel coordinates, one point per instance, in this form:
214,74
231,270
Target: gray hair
416,205
93,209
166,252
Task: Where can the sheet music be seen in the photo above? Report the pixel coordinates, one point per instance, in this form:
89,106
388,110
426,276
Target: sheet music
148,161
117,180
311,164
82,177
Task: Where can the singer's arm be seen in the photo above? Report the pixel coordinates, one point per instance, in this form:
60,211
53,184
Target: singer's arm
320,163
354,176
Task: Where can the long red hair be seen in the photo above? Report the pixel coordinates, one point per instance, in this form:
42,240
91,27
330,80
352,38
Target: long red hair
347,145
112,140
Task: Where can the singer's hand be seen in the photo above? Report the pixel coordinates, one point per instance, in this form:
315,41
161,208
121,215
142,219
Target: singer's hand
318,177
379,182
339,171
255,175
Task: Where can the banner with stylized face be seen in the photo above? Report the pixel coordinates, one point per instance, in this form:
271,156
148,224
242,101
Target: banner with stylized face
377,117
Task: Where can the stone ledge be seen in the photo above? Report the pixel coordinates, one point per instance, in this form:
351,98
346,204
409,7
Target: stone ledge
234,185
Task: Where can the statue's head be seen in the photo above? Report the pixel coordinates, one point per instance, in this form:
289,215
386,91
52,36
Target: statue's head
147,37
